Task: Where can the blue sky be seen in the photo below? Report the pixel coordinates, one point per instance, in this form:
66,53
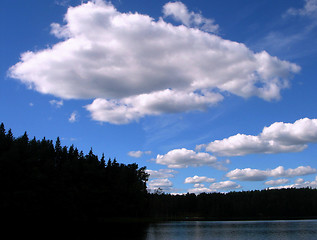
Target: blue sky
208,95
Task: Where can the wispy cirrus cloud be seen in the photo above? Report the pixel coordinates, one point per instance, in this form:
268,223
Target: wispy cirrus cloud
138,154
180,12
73,117
135,66
308,10
56,103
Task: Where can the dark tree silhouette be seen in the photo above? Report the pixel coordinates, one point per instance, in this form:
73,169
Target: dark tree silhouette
42,180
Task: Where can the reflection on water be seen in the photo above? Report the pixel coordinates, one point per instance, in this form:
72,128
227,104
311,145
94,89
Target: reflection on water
251,230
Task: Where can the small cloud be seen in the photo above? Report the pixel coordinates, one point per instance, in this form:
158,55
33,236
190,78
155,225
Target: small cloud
196,179
183,158
63,3
160,183
31,104
199,185
277,182
138,154
73,117
162,173
56,103
299,181
309,10
180,13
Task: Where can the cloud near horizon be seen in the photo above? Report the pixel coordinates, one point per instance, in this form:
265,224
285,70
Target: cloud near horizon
160,183
249,174
299,183
161,173
279,137
277,182
133,66
215,187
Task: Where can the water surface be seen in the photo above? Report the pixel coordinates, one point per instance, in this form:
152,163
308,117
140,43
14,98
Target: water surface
236,230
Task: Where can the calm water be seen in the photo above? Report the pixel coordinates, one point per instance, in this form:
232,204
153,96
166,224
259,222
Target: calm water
250,230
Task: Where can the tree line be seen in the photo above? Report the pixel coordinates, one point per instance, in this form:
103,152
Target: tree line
40,179
264,204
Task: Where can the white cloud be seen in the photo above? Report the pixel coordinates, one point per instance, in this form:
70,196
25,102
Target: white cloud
277,182
57,103
197,179
300,132
198,190
162,183
73,117
180,13
310,9
248,174
215,187
183,158
134,66
135,154
299,171
199,185
132,108
62,3
138,154
277,138
226,185
299,183
162,173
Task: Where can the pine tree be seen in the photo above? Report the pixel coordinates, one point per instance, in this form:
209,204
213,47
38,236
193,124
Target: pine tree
2,130
2,137
9,136
102,161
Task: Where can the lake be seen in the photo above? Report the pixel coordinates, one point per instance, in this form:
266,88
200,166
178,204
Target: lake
226,230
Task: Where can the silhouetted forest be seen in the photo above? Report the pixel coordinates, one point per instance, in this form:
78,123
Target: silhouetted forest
43,180
40,179
246,205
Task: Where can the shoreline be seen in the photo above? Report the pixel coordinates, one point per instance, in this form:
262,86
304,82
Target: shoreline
192,219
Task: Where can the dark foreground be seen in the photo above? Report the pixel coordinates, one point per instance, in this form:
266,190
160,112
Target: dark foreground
44,182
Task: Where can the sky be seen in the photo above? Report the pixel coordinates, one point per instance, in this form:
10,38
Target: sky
210,96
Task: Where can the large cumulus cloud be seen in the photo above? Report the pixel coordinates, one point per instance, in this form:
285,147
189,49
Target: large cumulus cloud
133,65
